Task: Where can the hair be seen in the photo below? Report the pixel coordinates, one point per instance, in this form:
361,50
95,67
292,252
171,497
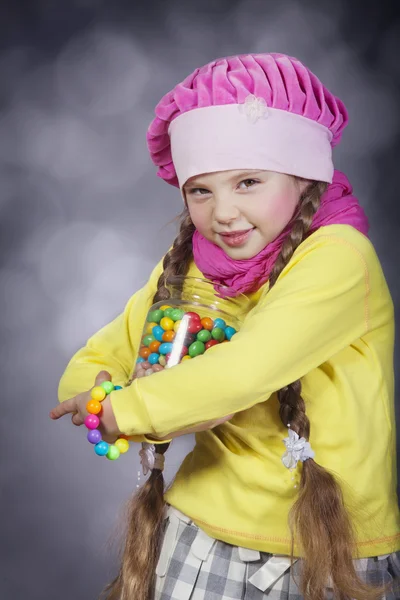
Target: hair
319,522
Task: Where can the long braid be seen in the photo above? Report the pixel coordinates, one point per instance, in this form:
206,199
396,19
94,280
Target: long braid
145,511
318,517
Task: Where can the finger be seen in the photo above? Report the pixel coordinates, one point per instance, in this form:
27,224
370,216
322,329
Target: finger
102,376
64,408
110,439
77,419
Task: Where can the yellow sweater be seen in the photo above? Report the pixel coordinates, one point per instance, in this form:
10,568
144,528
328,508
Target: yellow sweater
329,320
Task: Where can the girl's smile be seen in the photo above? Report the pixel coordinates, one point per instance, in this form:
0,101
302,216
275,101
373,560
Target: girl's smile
237,238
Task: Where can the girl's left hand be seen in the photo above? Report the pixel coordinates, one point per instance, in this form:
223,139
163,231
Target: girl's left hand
77,407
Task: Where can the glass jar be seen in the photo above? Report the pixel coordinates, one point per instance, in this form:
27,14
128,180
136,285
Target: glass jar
186,325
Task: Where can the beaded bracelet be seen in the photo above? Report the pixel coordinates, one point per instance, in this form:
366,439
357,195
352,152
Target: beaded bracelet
92,421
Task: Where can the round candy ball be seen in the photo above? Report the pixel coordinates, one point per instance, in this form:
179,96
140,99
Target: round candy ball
108,386
207,323
167,323
168,312
187,357
218,334
168,336
113,452
93,407
149,327
153,358
162,361
146,341
165,348
165,307
177,325
94,436
196,349
211,343
101,448
155,315
144,352
158,333
176,314
229,332
220,323
194,326
92,421
118,387
193,315
204,335
122,445
154,346
140,360
98,393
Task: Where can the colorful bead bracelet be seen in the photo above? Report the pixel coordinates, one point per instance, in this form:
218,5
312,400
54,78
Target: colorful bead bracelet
92,421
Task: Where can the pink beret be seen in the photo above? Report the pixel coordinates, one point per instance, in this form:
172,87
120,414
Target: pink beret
283,82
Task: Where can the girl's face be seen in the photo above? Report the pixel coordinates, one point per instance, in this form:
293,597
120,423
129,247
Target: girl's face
258,204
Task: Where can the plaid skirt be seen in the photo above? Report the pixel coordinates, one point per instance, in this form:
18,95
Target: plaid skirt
194,566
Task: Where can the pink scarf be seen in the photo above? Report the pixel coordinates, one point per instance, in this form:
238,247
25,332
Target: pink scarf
338,206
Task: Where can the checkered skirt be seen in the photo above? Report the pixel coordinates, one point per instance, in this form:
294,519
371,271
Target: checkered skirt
194,566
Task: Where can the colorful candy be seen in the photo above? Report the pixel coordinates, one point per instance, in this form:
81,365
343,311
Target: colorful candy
207,323
204,335
155,315
196,349
192,333
170,336
218,334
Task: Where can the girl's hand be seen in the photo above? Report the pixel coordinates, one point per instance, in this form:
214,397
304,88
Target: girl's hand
77,406
108,425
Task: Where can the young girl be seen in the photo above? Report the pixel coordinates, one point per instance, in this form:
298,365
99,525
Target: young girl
290,491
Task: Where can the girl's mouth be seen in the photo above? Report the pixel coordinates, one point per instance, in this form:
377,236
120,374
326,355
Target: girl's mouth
236,238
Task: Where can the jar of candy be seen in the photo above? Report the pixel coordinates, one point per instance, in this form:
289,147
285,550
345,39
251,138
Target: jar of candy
186,325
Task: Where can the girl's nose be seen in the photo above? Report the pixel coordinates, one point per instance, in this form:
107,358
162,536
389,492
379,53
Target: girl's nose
225,210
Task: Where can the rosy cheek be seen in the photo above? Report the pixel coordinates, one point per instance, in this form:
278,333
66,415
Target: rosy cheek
281,209
199,218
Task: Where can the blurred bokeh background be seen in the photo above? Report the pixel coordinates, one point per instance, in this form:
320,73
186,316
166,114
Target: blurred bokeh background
83,219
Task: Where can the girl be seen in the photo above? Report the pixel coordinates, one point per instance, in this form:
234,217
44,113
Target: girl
248,140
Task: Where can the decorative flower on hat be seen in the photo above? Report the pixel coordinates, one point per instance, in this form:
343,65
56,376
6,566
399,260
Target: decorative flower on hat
296,449
254,108
147,458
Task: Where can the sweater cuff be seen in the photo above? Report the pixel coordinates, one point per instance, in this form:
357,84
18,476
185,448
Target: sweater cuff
130,412
155,442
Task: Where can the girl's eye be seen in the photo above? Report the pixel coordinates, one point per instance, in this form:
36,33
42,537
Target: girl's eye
247,180
194,190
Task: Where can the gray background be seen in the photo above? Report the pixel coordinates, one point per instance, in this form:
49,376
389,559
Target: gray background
84,219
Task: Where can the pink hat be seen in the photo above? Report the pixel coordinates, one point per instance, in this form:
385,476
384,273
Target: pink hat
252,111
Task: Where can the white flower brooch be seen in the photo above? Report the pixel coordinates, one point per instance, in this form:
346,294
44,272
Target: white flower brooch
296,449
254,108
147,457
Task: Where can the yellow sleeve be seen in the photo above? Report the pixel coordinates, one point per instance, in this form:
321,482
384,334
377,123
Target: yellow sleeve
318,307
113,348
